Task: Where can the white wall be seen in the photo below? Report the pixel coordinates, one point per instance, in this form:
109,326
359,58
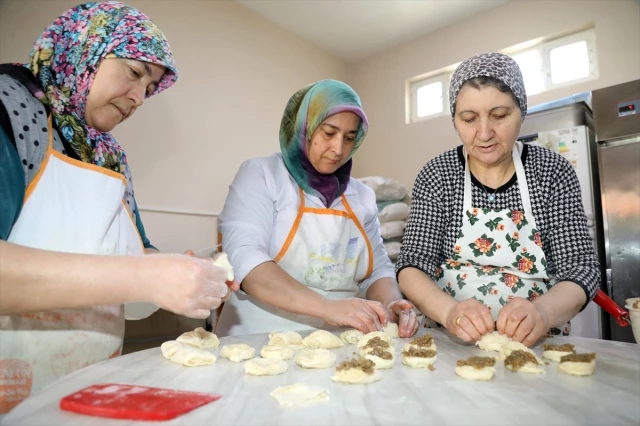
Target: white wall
399,150
237,72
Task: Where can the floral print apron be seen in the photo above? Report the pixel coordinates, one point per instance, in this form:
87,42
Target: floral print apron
498,254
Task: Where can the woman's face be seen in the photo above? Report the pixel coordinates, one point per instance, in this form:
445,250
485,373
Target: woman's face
488,122
332,142
118,89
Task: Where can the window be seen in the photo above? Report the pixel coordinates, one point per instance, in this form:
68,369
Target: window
545,65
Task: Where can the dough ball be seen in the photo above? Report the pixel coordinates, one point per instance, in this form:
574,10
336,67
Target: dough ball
578,364
381,334
299,395
356,371
351,337
186,355
237,353
285,338
468,372
554,355
223,262
276,352
322,339
493,341
508,349
316,358
391,330
199,338
265,367
522,361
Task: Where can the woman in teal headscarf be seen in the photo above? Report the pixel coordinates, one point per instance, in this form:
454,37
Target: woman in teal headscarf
302,235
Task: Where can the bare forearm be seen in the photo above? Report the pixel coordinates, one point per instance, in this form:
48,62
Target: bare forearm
561,303
425,294
36,280
384,290
270,284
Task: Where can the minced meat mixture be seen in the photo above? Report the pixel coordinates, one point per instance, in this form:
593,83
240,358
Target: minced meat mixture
559,348
423,341
360,363
419,353
518,359
380,352
578,358
477,362
376,342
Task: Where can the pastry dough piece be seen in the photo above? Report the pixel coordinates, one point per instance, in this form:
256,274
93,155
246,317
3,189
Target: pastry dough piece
524,362
322,339
351,337
276,352
555,352
423,342
285,338
237,353
578,364
316,358
508,349
265,367
299,395
382,359
357,371
493,341
186,355
419,358
476,368
223,262
199,338
391,330
381,334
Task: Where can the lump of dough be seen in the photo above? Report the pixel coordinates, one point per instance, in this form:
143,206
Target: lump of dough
578,364
493,341
381,334
508,349
555,352
223,262
237,353
476,368
200,338
391,330
316,358
356,371
186,355
423,342
351,337
299,395
419,358
523,362
291,338
265,367
381,358
276,352
322,339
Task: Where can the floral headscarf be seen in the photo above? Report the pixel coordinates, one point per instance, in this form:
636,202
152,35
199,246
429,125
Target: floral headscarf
305,111
65,59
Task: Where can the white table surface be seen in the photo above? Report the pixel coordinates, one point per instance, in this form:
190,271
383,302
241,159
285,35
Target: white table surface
404,396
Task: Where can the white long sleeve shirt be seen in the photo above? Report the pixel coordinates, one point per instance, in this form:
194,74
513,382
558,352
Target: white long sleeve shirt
261,208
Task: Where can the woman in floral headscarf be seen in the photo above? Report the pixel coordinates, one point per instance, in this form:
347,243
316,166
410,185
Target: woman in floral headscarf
497,236
67,200
303,236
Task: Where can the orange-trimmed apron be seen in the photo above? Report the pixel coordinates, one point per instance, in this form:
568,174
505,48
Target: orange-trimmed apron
328,250
70,207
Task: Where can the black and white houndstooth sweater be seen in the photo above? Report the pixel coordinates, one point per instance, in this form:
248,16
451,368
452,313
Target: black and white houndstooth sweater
436,214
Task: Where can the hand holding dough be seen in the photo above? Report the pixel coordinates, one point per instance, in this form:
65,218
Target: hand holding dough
265,367
351,337
493,341
223,261
237,353
299,395
199,338
316,358
186,355
276,352
322,339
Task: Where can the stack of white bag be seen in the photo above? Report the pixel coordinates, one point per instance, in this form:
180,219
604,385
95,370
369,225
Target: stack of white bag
393,201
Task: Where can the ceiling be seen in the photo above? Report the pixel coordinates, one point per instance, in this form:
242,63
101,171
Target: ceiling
355,29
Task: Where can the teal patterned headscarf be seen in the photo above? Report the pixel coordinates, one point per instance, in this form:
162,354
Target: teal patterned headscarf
304,113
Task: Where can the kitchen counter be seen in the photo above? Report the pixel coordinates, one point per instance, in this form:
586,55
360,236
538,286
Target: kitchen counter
404,396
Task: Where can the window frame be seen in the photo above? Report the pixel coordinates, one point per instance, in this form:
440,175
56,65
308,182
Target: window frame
412,89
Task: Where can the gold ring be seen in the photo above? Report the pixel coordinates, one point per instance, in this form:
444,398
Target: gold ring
458,320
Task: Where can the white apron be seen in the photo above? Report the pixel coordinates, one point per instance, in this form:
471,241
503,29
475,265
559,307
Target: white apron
71,207
498,254
327,250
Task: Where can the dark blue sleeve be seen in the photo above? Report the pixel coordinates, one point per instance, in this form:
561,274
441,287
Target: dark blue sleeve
12,185
143,235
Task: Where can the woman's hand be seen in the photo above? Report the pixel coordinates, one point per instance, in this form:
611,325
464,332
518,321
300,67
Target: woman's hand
361,314
233,285
523,321
469,320
403,312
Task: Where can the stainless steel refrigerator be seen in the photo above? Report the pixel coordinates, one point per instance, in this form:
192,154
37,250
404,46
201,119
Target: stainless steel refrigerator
616,112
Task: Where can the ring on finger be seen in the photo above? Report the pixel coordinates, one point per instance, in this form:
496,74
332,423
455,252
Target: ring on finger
458,320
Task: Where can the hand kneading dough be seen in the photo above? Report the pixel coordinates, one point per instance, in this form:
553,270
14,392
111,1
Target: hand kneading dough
276,352
265,367
285,338
381,334
493,341
316,358
569,364
186,355
200,338
237,353
299,395
391,330
351,337
223,262
471,373
322,339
